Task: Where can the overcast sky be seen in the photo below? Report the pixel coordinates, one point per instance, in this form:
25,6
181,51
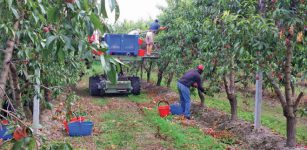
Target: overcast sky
139,9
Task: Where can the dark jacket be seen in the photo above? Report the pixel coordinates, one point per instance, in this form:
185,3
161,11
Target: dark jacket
191,77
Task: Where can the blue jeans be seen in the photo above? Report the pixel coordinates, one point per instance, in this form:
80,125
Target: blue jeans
185,100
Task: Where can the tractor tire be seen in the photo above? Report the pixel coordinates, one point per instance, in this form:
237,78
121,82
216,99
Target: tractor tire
136,85
93,86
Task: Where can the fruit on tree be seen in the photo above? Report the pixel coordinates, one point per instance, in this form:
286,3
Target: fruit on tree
291,30
9,44
299,37
46,29
288,42
70,1
257,77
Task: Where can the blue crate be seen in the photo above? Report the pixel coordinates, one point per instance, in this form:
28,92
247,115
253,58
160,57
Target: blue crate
80,128
3,134
122,44
176,109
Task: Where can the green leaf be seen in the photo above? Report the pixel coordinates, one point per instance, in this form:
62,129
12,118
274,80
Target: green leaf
9,3
112,4
50,39
67,42
36,18
85,5
18,145
49,106
67,146
89,27
52,14
112,74
80,46
104,65
96,22
103,9
117,11
15,12
61,56
42,8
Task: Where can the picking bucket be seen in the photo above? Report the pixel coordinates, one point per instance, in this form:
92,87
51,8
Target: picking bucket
3,133
141,52
163,110
140,41
176,109
80,128
75,119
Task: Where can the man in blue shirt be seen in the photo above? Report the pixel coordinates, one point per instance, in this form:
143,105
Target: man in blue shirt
155,26
190,78
153,29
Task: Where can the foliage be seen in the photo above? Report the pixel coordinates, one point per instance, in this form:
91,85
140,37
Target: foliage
50,36
234,37
127,26
57,145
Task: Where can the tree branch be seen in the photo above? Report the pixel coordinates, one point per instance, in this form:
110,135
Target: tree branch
298,99
226,84
277,91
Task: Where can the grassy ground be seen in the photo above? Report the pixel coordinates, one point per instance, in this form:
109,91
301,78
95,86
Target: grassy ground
129,129
125,127
271,117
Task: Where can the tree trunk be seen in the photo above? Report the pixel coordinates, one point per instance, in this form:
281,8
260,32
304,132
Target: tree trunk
5,68
231,96
161,69
5,63
292,89
291,131
48,95
202,98
16,86
170,79
160,77
149,71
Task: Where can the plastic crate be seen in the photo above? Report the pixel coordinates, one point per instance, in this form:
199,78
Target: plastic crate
176,109
122,44
3,134
79,119
80,128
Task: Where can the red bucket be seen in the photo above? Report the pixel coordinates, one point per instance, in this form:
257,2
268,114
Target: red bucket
164,110
140,41
141,52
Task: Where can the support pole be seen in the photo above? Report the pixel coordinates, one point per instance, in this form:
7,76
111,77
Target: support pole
258,100
36,125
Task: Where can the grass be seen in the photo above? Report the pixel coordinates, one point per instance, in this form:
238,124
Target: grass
118,131
128,129
100,101
183,137
138,98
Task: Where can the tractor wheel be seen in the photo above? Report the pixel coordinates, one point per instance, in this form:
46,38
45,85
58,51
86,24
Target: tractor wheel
136,85
93,86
